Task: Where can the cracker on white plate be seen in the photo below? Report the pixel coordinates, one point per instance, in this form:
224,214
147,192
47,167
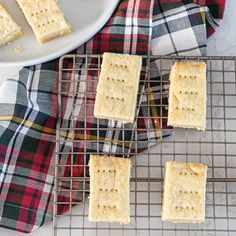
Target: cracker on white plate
187,95
9,30
109,189
45,18
118,87
184,192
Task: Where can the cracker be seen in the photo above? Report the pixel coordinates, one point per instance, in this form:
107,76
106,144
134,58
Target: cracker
118,86
109,189
9,30
184,192
187,95
45,18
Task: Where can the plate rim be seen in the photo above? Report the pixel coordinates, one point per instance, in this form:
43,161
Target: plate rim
98,25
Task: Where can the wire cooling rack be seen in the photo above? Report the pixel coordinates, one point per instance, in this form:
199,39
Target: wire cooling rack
216,147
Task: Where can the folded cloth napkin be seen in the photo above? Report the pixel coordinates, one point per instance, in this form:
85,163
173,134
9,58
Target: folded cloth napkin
29,108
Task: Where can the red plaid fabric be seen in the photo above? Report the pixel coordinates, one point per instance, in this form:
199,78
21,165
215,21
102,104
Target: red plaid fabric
216,8
28,121
28,125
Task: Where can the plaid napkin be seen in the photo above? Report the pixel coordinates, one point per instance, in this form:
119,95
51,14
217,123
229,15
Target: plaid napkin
29,106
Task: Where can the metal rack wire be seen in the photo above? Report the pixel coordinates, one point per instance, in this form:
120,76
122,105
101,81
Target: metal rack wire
215,147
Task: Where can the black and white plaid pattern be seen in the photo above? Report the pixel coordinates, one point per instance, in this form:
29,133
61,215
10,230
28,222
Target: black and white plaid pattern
179,30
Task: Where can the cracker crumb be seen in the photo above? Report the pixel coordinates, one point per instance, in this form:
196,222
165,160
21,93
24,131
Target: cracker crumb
17,49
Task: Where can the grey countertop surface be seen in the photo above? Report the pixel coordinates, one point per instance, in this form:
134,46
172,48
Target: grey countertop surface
223,42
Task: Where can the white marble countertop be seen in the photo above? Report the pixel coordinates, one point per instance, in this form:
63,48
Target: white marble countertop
223,42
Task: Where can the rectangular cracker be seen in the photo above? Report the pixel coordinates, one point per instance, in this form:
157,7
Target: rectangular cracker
184,192
109,189
9,30
118,86
45,18
187,95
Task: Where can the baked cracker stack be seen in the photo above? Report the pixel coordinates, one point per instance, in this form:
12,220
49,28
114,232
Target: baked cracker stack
118,86
9,30
45,18
109,199
187,95
184,192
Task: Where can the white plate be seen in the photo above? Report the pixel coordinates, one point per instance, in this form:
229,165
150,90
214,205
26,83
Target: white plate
87,17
